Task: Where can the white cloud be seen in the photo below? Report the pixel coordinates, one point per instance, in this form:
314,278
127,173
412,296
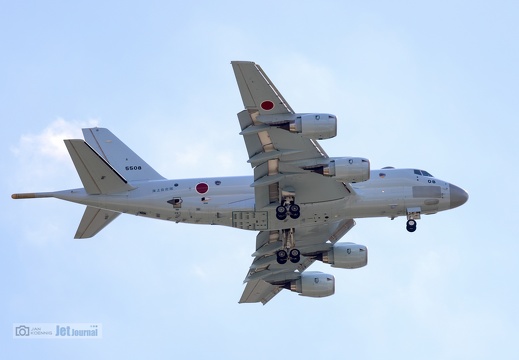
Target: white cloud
49,142
43,156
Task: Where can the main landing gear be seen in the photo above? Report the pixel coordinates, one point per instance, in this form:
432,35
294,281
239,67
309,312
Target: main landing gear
288,207
293,254
289,252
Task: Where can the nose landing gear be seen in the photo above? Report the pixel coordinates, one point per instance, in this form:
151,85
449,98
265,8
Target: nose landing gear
411,225
412,215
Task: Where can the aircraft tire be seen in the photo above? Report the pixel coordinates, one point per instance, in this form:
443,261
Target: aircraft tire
411,228
281,210
281,217
296,259
282,256
294,208
295,215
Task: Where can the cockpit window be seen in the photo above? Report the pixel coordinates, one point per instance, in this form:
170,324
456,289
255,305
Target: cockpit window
422,172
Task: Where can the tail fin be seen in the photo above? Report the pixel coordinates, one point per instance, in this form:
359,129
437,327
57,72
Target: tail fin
119,156
97,176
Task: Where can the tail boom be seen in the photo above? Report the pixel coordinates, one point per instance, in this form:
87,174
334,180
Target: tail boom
32,195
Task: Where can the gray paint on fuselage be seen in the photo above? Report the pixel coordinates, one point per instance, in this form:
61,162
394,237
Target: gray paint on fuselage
389,192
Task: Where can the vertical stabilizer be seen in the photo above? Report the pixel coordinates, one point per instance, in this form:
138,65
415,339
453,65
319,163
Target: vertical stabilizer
119,156
97,176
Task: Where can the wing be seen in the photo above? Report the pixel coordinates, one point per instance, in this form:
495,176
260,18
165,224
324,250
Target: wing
287,159
280,158
266,277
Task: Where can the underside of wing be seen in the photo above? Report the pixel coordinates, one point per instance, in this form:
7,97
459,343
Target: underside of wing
282,145
266,277
299,187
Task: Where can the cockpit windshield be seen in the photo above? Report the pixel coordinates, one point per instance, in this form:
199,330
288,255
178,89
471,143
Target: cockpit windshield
423,173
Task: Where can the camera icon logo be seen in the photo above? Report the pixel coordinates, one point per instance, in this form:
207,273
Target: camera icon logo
22,330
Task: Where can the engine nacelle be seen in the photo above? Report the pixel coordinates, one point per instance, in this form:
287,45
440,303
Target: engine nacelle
347,169
315,126
314,284
346,256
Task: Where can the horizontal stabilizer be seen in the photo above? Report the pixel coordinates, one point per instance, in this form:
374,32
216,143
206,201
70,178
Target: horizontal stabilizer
97,176
93,221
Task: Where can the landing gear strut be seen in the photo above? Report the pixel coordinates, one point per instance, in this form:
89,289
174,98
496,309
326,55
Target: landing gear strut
289,250
412,215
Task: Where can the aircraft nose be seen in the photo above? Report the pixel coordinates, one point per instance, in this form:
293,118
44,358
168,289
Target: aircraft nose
458,196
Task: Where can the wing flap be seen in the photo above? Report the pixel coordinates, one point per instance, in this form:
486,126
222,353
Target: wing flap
259,291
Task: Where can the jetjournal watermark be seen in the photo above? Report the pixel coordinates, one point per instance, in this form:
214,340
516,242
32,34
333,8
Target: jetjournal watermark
57,331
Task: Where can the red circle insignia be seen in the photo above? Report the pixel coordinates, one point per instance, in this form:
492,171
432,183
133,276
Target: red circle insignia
267,105
202,188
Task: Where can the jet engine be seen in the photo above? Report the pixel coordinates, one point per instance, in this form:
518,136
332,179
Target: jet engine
345,169
312,126
315,126
313,284
346,256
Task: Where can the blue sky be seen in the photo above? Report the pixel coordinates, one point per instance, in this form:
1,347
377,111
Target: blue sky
430,85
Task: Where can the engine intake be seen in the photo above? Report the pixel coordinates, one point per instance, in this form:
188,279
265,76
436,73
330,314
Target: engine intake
313,284
346,256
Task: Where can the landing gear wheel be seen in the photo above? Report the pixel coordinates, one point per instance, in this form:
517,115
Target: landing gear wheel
281,216
281,210
411,225
295,215
282,256
294,208
295,253
295,256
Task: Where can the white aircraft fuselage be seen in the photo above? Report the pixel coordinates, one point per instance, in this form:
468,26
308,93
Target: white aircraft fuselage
218,201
